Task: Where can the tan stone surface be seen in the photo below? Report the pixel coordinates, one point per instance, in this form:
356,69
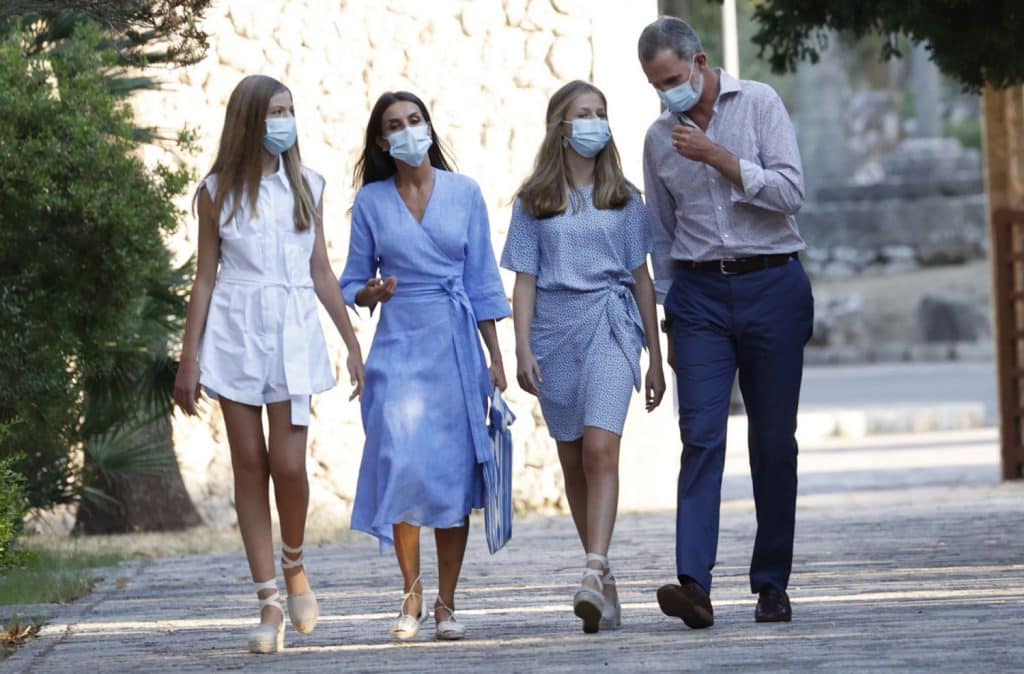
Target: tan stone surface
927,576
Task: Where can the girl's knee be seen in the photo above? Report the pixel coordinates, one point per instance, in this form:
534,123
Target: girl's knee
288,469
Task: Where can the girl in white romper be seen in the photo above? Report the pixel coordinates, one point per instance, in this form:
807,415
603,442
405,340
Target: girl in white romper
252,336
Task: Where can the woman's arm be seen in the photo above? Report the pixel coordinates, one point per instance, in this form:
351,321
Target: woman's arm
186,382
489,332
643,292
329,294
524,298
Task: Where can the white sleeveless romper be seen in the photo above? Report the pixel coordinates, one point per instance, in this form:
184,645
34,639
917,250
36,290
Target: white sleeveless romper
263,342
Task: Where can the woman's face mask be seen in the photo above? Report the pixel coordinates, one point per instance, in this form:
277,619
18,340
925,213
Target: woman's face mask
410,145
685,96
589,135
281,134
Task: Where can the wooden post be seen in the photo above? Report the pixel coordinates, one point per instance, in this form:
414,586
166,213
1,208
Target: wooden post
1004,184
1008,274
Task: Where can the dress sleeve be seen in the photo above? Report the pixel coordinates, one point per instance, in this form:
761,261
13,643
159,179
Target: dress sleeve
637,233
522,245
480,272
362,261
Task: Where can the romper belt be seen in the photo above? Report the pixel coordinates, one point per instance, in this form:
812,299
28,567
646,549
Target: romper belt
295,336
468,355
617,303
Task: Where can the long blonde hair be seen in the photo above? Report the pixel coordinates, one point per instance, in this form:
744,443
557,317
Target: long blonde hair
546,192
239,162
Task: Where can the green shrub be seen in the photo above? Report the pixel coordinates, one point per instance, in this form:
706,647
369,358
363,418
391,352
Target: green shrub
12,512
86,302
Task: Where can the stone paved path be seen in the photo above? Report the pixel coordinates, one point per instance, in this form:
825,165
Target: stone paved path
917,578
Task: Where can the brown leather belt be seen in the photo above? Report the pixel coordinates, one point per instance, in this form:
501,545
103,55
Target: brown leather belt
737,265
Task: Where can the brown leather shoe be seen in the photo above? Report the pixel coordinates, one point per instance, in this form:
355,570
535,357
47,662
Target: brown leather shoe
773,606
689,602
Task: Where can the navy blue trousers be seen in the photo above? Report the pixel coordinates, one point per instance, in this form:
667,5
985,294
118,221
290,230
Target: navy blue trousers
757,323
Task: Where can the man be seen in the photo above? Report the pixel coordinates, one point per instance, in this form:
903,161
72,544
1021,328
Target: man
723,182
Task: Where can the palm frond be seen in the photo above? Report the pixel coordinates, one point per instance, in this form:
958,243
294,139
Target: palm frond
130,450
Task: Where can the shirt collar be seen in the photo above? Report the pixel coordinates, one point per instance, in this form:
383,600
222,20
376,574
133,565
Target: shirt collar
727,84
280,174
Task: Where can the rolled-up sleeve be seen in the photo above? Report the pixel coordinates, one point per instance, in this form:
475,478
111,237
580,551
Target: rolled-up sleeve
361,264
661,210
774,179
480,271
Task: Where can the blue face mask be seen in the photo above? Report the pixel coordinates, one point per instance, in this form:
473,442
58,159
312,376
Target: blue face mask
685,96
589,136
281,134
410,145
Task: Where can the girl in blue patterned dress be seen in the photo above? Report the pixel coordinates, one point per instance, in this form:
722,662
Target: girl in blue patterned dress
583,301
425,230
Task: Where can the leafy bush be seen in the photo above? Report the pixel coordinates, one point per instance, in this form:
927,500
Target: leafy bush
87,291
12,512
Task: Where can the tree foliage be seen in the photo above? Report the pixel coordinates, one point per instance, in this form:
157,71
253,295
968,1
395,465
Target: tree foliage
972,41
140,32
88,295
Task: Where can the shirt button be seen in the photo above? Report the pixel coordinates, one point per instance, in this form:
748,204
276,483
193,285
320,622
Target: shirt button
719,208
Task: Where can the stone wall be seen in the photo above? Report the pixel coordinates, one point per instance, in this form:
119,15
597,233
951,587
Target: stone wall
486,69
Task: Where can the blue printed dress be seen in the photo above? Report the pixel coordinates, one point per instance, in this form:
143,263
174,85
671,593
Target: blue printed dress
427,383
586,332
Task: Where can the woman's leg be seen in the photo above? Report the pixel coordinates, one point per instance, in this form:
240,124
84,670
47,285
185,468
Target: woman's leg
570,454
601,468
291,486
451,550
251,468
407,550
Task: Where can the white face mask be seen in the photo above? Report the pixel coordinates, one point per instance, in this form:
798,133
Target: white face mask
410,145
589,136
685,96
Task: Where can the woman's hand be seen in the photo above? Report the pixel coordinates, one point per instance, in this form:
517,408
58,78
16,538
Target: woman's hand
655,386
356,372
528,373
497,372
186,386
376,291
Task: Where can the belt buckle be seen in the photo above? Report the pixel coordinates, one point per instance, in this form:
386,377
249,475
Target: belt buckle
721,266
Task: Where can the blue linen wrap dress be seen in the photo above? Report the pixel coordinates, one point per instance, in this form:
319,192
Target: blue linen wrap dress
586,333
427,383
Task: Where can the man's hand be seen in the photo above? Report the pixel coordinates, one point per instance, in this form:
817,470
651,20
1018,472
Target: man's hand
691,142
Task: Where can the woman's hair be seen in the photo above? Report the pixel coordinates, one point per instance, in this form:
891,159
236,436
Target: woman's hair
239,162
546,192
376,164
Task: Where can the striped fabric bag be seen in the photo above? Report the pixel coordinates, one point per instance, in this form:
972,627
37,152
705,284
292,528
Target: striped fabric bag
498,475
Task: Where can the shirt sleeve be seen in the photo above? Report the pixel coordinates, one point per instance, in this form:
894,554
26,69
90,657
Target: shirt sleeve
774,179
480,271
362,262
661,209
522,245
637,234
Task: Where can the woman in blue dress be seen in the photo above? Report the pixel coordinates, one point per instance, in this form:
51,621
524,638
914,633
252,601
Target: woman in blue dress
425,230
583,301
